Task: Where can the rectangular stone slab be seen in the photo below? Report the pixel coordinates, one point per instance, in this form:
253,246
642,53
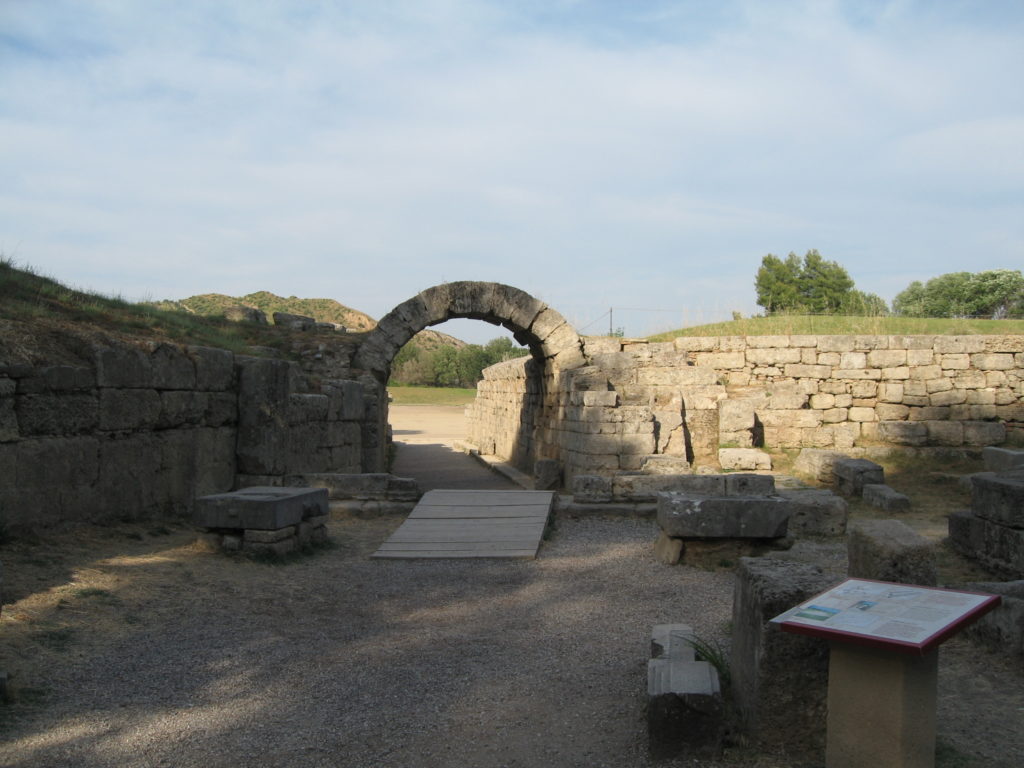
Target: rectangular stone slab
263,508
1000,498
728,517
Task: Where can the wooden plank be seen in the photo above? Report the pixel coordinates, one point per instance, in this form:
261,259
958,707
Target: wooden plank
471,523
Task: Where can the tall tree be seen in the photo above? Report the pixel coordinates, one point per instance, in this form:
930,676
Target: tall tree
995,293
814,285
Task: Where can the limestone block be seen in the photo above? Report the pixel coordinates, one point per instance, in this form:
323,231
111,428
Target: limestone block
273,549
180,407
947,344
858,374
256,536
947,397
735,415
1002,459
853,474
171,367
673,641
303,409
667,549
1002,629
769,356
802,418
70,462
853,360
835,415
214,368
660,464
56,414
886,358
644,487
993,362
685,711
984,432
742,484
891,412
744,458
917,357
945,432
955,362
888,550
860,413
260,508
823,401
806,371
123,367
214,461
1000,497
884,497
779,680
221,409
732,517
815,512
591,488
938,385
696,343
903,432
817,463
262,415
835,343
999,547
547,474
720,360
896,374
55,378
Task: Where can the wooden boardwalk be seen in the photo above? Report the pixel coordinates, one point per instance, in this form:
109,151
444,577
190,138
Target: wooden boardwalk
472,524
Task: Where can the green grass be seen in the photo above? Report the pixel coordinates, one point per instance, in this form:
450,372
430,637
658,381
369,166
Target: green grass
785,325
431,395
32,298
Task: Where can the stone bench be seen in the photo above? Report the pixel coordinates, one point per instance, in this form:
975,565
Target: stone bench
264,520
685,710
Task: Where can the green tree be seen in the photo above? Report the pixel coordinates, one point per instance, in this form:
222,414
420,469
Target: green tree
814,285
995,293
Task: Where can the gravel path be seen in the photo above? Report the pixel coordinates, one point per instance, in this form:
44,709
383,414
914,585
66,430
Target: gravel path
343,661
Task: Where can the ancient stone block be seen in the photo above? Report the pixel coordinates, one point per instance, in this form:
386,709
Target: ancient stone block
817,463
947,397
742,484
69,462
591,488
853,474
945,432
999,547
733,517
123,367
56,414
303,409
673,641
744,458
815,512
1002,629
1002,459
779,680
983,432
547,474
685,711
660,464
999,497
171,368
180,407
262,415
888,550
668,550
992,362
884,497
260,508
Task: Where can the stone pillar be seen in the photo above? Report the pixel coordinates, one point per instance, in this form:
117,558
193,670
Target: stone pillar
881,708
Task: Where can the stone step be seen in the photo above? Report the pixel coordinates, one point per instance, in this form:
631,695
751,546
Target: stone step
1002,459
685,711
728,517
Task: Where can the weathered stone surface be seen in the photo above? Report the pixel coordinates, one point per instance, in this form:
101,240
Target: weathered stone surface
294,322
1002,459
262,409
673,641
779,680
999,497
815,512
888,550
1002,629
998,547
547,475
368,486
733,517
215,368
273,549
743,484
171,368
123,367
667,549
884,497
660,464
685,712
261,508
743,458
903,432
56,414
816,463
852,475
240,313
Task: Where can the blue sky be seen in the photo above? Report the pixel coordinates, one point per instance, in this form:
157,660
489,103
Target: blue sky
637,155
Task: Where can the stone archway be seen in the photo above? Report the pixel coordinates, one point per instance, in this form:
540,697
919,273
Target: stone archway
533,323
553,342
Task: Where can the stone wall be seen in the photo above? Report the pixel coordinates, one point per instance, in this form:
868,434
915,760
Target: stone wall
145,429
689,397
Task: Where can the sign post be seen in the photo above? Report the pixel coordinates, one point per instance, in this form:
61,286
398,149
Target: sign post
883,665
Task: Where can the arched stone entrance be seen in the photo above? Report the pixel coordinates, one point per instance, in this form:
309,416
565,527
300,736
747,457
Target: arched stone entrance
553,342
533,323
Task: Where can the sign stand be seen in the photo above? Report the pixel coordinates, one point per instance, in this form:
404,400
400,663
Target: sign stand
883,666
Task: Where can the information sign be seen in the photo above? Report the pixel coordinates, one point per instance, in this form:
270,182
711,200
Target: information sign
881,614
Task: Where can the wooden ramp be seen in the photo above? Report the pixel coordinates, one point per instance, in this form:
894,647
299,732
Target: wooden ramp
472,524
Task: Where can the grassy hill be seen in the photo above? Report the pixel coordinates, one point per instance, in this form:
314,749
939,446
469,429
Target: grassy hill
783,325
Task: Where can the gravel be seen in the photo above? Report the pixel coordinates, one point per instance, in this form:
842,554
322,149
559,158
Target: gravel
345,661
